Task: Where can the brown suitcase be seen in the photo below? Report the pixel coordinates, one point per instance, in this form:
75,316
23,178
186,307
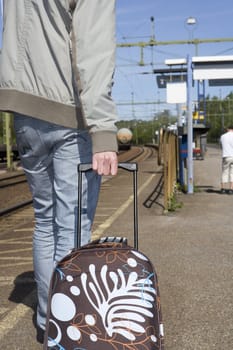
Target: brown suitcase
105,295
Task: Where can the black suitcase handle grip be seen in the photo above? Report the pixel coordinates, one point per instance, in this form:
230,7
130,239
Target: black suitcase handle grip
132,167
126,166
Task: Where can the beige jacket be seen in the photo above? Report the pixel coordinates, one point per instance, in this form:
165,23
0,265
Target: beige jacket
57,64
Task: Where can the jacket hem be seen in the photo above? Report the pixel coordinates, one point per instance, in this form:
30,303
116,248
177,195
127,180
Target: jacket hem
41,108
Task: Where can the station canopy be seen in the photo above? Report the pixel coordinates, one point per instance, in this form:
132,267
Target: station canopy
212,67
218,70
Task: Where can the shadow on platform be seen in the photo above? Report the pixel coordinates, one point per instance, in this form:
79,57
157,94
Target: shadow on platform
24,291
156,196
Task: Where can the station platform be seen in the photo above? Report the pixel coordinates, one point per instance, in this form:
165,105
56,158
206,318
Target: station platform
191,249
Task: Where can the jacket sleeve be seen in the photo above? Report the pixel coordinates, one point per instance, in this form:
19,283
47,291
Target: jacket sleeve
94,49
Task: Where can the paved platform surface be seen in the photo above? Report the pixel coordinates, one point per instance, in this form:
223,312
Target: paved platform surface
191,248
193,252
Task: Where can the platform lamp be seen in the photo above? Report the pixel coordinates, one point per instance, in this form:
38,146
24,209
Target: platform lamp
191,24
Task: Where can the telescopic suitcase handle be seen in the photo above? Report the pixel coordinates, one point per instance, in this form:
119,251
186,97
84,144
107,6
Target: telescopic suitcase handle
131,167
126,166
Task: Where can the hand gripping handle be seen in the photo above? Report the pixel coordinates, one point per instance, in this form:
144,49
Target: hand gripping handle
131,167
125,166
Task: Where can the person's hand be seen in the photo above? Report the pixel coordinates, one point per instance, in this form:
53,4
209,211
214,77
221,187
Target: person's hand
105,163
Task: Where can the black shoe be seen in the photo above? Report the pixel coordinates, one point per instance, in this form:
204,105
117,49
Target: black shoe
40,335
223,191
230,192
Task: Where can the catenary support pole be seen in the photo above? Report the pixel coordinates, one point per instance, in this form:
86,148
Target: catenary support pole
190,125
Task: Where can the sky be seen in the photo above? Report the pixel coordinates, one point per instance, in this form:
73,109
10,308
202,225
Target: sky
136,83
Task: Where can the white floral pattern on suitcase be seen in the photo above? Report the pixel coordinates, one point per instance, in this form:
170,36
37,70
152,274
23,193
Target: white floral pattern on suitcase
118,304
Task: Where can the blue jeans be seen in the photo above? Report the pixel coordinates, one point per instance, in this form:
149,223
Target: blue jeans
50,154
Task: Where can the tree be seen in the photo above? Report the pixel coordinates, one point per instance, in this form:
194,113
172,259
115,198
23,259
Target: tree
219,114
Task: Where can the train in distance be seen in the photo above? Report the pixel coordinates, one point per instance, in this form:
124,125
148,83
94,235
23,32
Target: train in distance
124,138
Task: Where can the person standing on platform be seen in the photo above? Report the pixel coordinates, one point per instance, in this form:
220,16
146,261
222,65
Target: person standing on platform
226,141
56,69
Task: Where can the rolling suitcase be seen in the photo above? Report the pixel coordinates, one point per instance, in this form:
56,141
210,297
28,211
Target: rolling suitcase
104,295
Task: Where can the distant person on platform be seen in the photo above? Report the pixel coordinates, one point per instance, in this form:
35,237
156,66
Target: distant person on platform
226,142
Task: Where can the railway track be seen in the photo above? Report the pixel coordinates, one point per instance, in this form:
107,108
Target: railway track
13,182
